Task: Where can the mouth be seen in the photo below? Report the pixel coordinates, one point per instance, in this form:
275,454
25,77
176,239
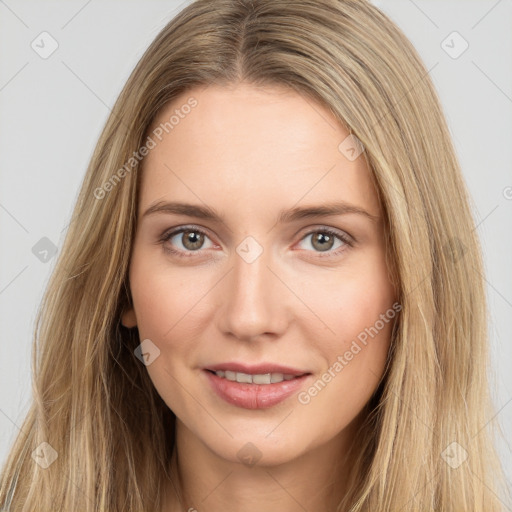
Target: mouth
256,389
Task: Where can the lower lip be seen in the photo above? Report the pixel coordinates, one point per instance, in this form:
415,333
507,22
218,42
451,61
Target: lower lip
254,396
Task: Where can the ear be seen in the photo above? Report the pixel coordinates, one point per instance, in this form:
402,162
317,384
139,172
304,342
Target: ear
128,318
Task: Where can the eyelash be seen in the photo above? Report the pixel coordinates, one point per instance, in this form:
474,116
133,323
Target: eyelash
188,254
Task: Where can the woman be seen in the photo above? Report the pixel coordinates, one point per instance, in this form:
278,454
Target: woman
270,294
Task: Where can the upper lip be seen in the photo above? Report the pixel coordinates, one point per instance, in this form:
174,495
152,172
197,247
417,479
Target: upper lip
256,369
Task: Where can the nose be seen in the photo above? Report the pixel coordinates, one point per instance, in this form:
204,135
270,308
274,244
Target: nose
254,302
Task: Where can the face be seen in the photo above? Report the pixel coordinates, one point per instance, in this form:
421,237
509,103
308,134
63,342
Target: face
273,275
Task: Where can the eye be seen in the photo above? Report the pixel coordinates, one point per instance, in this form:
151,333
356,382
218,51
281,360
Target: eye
324,239
186,239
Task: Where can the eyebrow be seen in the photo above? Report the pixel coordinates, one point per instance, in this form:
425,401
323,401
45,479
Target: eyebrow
291,215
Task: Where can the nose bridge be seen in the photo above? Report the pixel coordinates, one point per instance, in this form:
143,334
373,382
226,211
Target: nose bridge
254,302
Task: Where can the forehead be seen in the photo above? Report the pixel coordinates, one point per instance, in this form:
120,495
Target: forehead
253,147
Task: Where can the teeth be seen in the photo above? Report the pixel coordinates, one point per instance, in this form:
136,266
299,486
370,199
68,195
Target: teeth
247,378
244,377
262,379
230,375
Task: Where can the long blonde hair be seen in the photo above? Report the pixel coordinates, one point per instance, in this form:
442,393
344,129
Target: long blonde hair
425,444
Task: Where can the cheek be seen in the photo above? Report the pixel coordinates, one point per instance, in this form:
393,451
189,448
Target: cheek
167,301
357,307
354,363
351,300
171,311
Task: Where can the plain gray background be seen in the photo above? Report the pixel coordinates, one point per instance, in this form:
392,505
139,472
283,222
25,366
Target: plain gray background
52,110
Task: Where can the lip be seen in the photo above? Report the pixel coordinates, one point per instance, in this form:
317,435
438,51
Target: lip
254,369
255,396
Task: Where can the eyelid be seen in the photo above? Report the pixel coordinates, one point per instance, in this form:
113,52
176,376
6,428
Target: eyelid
340,233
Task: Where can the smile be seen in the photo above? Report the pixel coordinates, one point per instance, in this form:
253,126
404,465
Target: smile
254,391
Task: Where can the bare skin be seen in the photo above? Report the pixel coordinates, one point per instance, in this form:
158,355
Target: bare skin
250,153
